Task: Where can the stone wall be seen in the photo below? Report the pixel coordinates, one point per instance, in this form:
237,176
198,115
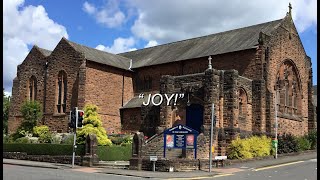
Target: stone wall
285,44
43,158
33,65
63,58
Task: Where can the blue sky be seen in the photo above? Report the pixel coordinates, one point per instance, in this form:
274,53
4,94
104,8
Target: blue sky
122,25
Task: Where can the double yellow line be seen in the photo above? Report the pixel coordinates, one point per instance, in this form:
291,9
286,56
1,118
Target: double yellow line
280,165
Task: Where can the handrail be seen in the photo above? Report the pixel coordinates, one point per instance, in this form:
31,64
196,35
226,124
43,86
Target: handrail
154,136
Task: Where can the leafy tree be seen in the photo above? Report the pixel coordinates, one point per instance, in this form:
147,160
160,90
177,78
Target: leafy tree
31,113
6,105
92,125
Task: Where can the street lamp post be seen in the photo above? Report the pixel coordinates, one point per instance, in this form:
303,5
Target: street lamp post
211,137
276,122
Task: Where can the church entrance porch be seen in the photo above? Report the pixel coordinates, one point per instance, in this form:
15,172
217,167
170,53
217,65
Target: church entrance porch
194,116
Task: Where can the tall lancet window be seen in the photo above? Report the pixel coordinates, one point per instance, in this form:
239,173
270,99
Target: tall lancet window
32,89
61,92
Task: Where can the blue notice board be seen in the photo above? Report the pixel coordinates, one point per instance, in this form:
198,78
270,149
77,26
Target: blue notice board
180,136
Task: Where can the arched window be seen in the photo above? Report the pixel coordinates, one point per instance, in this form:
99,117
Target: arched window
32,89
288,93
61,92
242,103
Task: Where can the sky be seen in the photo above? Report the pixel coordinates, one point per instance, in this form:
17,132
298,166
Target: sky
124,25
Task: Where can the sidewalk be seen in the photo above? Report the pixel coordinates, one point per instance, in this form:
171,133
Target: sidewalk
215,171
192,174
38,164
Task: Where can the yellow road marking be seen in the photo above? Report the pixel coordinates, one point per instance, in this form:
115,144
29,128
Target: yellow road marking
203,177
280,165
221,175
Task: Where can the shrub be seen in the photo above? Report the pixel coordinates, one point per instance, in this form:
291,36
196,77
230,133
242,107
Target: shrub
68,139
92,125
120,139
56,139
21,132
287,143
303,143
46,138
239,149
250,147
23,140
40,130
260,146
43,133
312,137
34,140
8,139
100,132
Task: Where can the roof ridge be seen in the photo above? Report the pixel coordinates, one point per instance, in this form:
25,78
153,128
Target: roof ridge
43,51
74,43
202,36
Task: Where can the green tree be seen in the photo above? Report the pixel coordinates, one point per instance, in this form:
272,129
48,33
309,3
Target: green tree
92,125
6,105
31,113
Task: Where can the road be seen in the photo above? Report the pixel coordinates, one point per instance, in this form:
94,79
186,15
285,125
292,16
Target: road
298,170
13,172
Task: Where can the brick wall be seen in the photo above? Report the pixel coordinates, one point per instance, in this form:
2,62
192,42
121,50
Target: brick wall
104,87
131,120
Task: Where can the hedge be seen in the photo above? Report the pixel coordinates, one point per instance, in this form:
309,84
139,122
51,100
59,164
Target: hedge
43,149
114,153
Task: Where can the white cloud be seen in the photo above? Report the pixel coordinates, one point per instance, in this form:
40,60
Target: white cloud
88,8
109,15
167,21
151,44
119,45
23,26
305,14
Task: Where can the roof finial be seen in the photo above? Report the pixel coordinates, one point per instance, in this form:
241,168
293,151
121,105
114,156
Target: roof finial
209,66
290,7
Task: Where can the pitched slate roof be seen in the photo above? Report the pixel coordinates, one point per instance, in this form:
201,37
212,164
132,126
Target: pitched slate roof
44,51
102,56
219,43
136,102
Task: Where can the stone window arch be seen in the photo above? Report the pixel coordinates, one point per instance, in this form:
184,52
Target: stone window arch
288,89
32,88
61,95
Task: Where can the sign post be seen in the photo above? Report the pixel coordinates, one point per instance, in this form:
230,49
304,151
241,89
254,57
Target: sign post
181,137
74,136
153,159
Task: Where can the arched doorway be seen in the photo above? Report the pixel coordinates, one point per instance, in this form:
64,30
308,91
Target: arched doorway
194,116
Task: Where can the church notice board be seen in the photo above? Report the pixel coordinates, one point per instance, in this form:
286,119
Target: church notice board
180,136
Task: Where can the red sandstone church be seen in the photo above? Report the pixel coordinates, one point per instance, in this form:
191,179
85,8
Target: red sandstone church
252,72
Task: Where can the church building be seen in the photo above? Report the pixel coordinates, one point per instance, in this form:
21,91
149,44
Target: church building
252,75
